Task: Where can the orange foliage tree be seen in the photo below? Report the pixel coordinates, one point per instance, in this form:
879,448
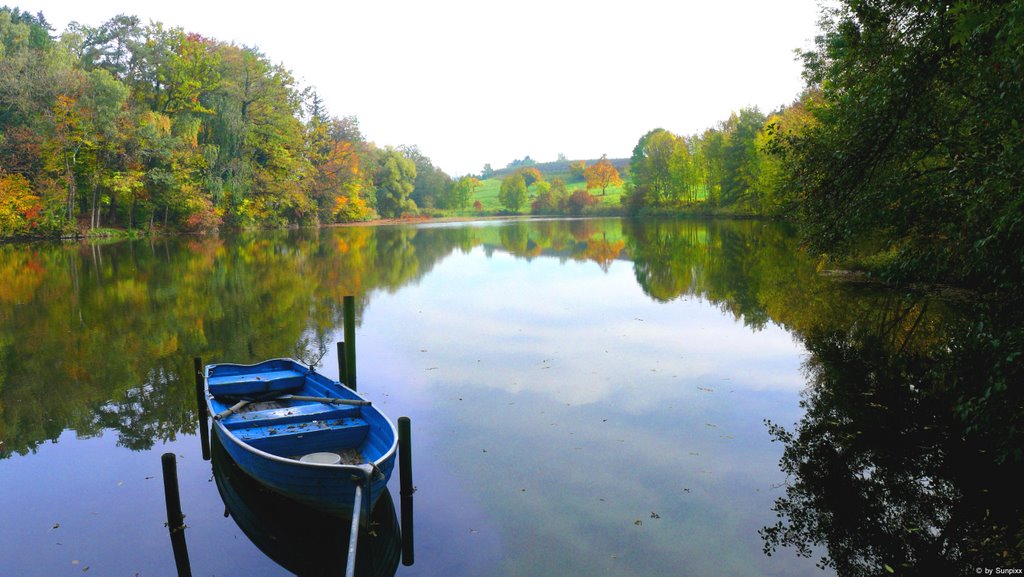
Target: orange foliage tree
19,208
531,175
602,175
346,182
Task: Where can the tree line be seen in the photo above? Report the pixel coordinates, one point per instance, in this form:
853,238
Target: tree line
142,126
904,150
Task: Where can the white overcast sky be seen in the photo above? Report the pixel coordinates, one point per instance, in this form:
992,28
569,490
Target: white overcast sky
483,81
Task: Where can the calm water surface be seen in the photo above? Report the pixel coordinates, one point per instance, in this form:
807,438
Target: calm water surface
588,397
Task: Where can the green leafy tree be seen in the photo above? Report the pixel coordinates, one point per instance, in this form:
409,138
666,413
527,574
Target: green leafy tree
395,180
651,166
512,194
740,157
551,199
432,184
918,147
462,190
576,169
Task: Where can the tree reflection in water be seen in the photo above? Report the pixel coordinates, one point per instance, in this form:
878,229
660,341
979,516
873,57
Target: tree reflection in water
908,458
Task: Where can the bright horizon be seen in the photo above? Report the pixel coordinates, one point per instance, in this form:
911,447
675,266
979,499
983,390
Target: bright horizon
476,83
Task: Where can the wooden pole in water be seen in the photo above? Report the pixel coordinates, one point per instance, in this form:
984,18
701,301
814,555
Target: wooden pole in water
342,371
407,489
349,307
175,518
204,431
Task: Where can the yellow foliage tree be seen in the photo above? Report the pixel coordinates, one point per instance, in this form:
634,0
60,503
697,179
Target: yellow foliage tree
19,208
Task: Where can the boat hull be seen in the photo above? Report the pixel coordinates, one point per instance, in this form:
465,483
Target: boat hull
303,540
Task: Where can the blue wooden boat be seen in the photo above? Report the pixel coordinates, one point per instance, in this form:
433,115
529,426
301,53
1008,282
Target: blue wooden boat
301,434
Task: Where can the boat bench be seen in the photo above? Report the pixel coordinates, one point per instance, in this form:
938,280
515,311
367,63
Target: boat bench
258,383
288,415
288,440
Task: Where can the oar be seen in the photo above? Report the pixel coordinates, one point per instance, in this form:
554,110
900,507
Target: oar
328,400
227,412
353,539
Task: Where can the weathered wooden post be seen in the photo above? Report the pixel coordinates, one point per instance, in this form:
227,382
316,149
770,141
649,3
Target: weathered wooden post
342,372
175,518
204,431
349,309
407,489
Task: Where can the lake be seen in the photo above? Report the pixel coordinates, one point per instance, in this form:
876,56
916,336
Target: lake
588,397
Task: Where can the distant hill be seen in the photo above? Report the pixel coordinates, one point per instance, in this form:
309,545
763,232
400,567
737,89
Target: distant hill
561,168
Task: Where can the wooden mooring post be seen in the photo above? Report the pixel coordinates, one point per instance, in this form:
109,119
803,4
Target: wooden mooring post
175,518
407,488
204,430
349,310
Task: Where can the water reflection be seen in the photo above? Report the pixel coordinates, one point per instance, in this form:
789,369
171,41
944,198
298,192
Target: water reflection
305,541
912,431
913,404
116,324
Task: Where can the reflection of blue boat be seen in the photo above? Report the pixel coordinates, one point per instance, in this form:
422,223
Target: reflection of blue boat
306,541
301,434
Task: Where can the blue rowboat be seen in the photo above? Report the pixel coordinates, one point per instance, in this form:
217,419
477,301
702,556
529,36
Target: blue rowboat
302,434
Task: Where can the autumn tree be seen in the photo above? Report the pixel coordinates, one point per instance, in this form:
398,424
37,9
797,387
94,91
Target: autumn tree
602,175
531,175
19,208
580,200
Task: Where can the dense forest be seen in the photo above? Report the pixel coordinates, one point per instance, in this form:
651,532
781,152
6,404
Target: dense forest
141,126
